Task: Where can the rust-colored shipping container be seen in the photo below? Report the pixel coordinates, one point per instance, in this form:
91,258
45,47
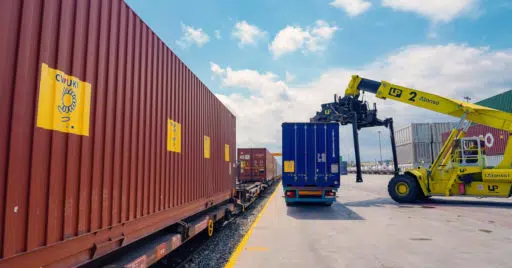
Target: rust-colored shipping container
256,165
105,135
495,139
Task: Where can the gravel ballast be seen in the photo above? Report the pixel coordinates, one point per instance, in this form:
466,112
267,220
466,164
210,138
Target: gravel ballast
202,251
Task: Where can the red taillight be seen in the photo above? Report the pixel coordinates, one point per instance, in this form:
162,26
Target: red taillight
330,193
290,194
462,188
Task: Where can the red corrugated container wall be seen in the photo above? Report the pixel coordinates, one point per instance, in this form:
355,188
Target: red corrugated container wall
74,189
495,139
256,164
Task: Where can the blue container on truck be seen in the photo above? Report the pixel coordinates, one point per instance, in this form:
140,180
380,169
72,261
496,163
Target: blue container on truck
311,162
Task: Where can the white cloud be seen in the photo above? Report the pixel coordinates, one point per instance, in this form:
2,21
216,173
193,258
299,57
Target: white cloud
217,34
435,10
247,34
192,36
288,40
451,70
289,77
352,7
265,85
216,70
293,38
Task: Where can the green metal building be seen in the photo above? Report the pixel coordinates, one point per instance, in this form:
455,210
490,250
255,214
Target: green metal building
501,102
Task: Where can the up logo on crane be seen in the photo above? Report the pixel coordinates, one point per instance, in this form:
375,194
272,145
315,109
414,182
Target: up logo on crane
395,92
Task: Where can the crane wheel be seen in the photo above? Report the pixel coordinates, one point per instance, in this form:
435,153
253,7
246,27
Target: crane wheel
403,189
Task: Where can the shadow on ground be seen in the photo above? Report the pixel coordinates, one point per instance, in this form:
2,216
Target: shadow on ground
337,211
430,203
467,203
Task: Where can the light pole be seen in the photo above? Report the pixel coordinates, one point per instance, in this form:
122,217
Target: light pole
380,149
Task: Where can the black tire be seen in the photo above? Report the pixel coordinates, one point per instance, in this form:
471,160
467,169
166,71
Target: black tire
403,189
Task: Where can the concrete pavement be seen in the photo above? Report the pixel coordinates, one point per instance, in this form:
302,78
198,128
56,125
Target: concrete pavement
365,228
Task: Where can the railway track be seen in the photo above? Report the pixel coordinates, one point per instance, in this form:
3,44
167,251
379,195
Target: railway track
204,251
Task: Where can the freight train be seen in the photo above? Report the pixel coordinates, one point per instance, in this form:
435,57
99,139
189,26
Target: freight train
107,140
257,170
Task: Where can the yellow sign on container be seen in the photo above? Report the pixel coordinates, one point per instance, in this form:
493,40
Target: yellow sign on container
64,102
289,166
206,147
226,152
173,136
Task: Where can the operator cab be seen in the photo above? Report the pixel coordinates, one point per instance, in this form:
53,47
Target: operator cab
469,152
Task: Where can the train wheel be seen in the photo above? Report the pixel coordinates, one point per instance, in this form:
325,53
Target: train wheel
210,227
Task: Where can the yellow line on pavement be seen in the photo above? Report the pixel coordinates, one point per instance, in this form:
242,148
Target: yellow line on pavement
256,248
240,247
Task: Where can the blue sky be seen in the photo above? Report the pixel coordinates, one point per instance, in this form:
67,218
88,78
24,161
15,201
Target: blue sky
369,36
360,40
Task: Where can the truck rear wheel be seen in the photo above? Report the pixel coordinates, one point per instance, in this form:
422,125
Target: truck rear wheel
403,189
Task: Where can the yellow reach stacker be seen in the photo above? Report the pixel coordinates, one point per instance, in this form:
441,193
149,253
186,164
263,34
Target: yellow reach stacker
460,168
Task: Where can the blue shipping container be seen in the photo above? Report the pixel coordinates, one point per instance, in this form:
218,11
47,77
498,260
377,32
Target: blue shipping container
311,162
343,168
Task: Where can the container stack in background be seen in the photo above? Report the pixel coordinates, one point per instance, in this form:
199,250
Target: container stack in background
413,141
495,139
495,142
413,144
417,144
437,132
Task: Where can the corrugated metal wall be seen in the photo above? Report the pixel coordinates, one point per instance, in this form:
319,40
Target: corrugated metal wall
60,179
253,160
439,128
495,139
311,154
416,152
436,149
414,132
493,160
501,102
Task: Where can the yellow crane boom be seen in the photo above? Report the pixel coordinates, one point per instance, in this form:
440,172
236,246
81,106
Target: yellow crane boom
456,108
474,113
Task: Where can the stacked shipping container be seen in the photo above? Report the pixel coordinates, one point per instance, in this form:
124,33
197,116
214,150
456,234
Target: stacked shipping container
105,135
437,130
495,152
413,145
418,144
495,141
